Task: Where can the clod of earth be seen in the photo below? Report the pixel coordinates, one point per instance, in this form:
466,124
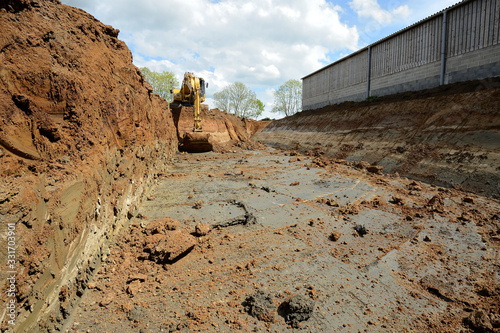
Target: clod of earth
375,169
335,235
198,204
479,322
169,247
360,229
202,229
260,306
161,226
296,310
397,200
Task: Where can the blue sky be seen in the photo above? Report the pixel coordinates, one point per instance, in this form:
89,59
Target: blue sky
261,43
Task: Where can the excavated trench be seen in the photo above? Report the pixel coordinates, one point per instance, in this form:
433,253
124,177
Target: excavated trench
342,225
448,136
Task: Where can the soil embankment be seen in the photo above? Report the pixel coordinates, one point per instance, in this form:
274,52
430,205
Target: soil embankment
447,136
82,138
220,129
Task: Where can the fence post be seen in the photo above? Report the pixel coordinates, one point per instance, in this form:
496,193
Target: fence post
368,75
443,48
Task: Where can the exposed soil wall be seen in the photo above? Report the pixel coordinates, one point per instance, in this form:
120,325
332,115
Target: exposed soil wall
81,138
447,136
222,129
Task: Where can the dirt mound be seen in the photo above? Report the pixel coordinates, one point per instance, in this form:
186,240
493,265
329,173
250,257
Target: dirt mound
221,130
81,137
447,136
68,86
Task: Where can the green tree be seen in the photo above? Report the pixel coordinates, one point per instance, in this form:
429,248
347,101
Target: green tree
288,98
240,100
162,82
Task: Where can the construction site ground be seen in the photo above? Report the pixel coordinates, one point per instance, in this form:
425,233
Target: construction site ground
108,228
358,251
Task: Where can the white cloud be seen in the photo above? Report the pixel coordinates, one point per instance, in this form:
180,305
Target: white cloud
424,8
262,43
372,10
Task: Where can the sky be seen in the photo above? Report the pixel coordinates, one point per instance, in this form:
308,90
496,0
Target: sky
261,43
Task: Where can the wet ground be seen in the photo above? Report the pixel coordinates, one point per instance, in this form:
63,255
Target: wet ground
273,241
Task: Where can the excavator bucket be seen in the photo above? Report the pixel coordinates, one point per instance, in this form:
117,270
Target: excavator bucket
196,142
190,140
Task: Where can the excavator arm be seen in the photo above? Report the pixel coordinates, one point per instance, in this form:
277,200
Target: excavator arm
191,94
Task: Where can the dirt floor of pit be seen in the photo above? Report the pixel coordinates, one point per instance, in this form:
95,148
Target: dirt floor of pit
273,241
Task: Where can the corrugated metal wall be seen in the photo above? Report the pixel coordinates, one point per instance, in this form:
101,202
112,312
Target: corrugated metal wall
409,49
471,26
349,72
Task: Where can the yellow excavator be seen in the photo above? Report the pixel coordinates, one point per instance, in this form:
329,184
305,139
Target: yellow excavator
190,96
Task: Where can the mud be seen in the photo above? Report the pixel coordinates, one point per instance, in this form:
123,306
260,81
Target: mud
420,266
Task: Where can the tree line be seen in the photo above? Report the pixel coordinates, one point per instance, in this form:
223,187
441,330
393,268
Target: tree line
235,98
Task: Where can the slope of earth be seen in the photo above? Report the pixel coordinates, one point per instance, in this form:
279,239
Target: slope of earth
447,136
81,136
220,129
275,241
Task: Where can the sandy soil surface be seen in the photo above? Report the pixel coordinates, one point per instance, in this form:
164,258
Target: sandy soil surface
269,240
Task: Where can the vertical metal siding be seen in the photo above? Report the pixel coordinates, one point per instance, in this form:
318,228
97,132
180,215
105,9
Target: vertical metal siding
496,30
470,26
473,26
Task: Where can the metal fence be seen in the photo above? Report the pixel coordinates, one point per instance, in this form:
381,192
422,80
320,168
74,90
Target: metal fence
457,44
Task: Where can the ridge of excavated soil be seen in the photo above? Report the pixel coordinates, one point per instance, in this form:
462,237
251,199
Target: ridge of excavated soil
446,136
81,136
